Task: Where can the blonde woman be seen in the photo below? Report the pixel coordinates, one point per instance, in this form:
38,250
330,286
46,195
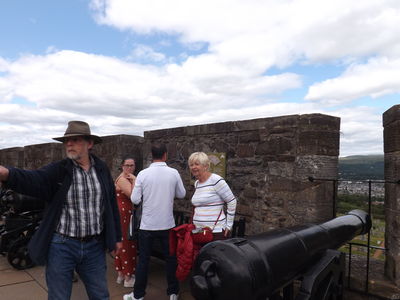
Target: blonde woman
211,194
125,262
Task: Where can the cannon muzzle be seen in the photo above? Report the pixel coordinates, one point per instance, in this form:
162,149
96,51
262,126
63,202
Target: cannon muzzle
256,266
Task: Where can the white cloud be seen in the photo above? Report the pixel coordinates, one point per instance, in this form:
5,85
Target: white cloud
362,131
283,30
376,78
240,74
146,53
73,85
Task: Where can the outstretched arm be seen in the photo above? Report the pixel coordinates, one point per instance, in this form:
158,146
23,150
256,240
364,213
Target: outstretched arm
3,173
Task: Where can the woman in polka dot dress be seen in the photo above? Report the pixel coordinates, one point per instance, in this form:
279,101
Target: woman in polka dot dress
125,263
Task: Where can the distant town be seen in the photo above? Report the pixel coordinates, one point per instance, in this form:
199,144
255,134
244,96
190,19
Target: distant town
355,173
353,187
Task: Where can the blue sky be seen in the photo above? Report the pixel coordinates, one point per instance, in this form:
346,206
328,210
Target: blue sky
128,66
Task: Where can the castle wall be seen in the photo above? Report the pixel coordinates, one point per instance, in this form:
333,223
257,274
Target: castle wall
112,150
268,162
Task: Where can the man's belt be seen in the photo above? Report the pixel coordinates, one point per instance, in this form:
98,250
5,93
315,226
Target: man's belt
83,239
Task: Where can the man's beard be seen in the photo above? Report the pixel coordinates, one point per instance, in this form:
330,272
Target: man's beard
73,156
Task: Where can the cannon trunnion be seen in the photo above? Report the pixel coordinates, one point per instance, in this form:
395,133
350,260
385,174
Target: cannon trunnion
258,266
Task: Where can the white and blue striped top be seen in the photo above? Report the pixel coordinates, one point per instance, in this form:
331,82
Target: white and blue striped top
209,199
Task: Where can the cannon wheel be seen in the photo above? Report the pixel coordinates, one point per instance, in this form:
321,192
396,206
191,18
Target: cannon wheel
18,255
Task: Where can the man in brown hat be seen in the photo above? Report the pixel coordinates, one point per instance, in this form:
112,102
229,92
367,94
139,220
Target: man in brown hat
81,218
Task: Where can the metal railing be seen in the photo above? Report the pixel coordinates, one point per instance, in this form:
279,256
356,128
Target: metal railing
351,244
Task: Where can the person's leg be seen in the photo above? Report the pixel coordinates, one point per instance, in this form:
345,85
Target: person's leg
61,261
170,263
92,270
145,245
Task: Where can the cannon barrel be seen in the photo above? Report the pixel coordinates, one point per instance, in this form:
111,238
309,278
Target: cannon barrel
256,266
19,203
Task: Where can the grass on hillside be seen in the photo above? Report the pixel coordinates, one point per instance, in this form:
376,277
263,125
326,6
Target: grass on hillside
347,203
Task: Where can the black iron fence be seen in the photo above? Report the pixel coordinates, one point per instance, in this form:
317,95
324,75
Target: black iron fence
351,244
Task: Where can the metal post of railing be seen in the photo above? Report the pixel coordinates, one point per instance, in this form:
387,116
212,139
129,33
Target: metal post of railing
334,199
349,272
368,237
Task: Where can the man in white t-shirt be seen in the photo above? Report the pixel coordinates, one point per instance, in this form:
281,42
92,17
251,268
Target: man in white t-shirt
157,186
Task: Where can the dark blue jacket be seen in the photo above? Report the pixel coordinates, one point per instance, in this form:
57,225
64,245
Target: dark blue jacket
51,183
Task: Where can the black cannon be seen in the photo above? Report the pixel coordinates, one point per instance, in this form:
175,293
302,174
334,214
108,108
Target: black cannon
265,266
20,217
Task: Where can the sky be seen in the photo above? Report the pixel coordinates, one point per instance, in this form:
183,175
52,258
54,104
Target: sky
128,66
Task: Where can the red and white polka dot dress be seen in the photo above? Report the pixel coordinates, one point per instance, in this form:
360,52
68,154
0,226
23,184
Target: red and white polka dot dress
126,261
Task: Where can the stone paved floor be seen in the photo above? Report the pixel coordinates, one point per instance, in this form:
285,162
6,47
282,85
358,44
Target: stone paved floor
30,284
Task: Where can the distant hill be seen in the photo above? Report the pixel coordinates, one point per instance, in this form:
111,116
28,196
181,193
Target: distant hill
361,167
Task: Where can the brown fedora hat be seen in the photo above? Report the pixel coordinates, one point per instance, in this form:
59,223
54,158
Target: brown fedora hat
78,128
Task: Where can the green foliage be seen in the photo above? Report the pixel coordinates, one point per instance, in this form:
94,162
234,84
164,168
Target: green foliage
345,203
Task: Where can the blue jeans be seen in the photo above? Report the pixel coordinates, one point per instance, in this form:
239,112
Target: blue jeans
146,239
87,258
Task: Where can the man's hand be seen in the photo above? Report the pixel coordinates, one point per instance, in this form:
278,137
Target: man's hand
227,232
3,173
117,251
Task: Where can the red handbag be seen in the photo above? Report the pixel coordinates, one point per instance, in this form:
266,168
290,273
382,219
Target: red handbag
204,235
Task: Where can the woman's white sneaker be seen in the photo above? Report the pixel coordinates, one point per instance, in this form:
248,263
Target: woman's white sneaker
131,297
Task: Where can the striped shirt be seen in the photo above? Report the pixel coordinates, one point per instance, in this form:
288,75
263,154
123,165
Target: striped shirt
209,199
82,212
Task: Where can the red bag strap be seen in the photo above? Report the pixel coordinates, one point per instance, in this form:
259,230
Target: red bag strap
216,221
215,224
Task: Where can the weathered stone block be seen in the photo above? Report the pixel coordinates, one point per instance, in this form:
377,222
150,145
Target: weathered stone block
250,193
317,166
391,115
114,148
248,137
318,122
392,166
245,150
391,137
13,157
36,156
318,143
275,145
281,169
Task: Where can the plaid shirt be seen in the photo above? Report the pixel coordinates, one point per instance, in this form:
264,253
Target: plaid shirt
82,213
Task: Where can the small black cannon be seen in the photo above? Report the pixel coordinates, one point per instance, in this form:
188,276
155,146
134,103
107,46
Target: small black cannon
20,217
265,266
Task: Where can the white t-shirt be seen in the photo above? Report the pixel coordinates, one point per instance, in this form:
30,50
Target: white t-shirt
158,185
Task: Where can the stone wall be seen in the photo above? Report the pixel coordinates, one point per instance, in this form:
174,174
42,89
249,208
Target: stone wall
112,150
12,157
268,162
391,124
